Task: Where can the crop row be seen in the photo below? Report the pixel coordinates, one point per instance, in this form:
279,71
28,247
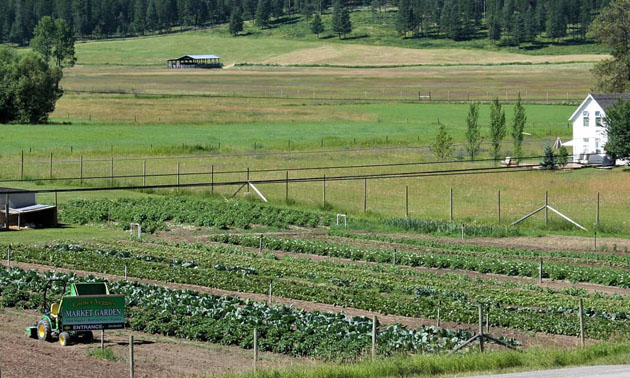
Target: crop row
345,286
430,226
482,264
230,320
152,213
611,259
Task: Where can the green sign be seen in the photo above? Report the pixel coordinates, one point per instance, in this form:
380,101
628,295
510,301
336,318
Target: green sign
85,313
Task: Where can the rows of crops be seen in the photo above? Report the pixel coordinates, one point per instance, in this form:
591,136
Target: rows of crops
387,289
484,260
230,320
154,212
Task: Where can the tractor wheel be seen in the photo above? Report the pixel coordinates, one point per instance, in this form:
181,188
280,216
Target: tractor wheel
87,337
64,339
43,330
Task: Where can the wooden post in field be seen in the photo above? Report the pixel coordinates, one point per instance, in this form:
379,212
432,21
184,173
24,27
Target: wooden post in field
144,173
480,328
597,212
131,361
374,337
51,166
112,173
247,180
581,315
9,255
488,321
450,203
22,167
499,207
255,349
6,211
212,179
81,170
324,191
546,208
364,195
595,241
177,177
540,271
407,201
102,339
270,292
286,187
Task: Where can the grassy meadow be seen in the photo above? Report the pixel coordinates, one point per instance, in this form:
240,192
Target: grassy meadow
122,103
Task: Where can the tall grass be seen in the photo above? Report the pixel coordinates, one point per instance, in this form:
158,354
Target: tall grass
472,363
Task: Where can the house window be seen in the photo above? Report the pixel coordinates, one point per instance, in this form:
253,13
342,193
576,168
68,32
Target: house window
598,122
585,149
586,121
597,144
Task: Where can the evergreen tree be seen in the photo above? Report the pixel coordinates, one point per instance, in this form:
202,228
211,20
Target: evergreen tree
152,16
139,14
549,160
442,148
341,24
518,126
497,128
236,21
262,14
317,26
473,134
404,18
563,156
556,21
530,25
610,28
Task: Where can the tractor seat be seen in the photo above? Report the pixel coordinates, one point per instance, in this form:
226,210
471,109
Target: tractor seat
54,309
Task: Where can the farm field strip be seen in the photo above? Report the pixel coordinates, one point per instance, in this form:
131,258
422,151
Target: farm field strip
341,285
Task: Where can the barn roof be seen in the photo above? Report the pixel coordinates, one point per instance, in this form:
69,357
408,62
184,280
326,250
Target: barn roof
207,56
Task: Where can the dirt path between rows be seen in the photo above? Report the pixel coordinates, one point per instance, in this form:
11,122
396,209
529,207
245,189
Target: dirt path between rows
155,356
528,339
547,283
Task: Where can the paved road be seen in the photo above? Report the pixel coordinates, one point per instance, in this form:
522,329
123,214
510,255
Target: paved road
618,371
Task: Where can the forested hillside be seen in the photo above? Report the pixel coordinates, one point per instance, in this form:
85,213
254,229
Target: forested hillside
508,22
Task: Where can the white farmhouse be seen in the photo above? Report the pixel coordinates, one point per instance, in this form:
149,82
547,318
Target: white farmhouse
589,132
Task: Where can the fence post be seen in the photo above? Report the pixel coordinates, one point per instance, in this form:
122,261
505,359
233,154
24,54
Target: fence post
112,172
22,167
177,177
374,337
488,320
546,208
212,179
595,241
407,201
450,203
51,166
480,328
540,271
131,361
286,188
581,314
81,170
597,212
270,292
247,179
125,271
102,339
324,191
462,232
499,207
364,195
144,173
255,348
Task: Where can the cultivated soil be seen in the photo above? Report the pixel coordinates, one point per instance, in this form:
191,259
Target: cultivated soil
154,356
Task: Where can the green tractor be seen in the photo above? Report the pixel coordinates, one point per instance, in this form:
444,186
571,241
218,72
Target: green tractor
84,307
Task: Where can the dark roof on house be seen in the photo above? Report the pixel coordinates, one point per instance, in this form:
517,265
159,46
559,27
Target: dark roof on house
609,100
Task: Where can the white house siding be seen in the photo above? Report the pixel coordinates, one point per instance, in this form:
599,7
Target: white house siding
589,138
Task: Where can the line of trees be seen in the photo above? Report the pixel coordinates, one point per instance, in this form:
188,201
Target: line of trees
508,22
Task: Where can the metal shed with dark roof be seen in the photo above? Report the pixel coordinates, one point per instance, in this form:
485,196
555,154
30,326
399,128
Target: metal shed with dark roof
195,61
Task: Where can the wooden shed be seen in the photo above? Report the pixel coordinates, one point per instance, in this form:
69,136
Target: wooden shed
19,208
195,61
